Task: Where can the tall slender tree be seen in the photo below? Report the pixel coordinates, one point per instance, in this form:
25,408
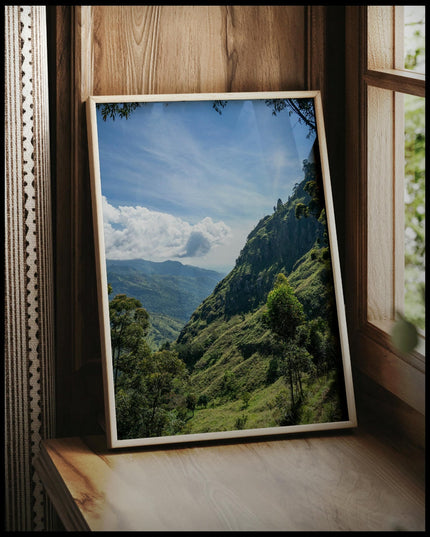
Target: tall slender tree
129,323
284,315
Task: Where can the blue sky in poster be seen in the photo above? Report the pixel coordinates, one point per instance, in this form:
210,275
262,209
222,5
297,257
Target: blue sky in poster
182,182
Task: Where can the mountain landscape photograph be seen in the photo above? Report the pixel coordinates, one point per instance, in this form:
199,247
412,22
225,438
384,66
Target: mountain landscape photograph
222,305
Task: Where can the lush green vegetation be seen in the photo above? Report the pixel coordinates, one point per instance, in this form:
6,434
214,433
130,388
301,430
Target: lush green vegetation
261,350
414,309
415,210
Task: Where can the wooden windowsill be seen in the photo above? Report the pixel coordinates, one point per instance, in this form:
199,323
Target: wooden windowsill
416,358
404,376
348,481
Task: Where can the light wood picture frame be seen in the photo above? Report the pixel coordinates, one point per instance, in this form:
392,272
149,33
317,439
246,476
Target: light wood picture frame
219,288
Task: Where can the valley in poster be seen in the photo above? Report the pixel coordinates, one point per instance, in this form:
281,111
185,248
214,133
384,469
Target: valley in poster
222,307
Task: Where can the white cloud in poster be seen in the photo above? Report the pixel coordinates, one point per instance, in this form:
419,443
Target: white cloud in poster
137,232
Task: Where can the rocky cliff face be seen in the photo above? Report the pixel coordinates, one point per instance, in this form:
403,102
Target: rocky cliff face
275,245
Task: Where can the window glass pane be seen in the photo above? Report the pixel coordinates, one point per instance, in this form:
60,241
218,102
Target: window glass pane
414,38
414,307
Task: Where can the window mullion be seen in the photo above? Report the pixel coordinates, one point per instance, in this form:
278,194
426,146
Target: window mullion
380,202
399,37
402,81
399,201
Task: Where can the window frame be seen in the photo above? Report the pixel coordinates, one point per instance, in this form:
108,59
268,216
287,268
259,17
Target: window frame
372,64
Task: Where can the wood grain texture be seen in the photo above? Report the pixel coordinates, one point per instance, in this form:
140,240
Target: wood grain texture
401,81
392,372
196,49
355,176
325,483
59,63
380,204
389,418
78,398
86,335
71,518
316,49
380,45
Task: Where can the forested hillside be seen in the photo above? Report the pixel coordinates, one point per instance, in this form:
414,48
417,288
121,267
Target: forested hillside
275,245
261,350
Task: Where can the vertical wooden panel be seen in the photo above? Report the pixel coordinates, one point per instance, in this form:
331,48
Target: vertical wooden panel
196,49
189,49
399,37
355,175
77,401
333,83
123,41
380,44
399,204
380,205
265,47
86,337
316,59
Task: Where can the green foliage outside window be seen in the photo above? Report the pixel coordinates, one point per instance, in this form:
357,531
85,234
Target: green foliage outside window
415,210
414,307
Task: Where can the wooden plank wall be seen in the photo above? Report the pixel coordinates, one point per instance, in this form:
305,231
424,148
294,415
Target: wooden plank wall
190,49
102,50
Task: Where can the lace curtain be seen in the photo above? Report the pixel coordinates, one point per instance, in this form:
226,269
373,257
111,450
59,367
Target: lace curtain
29,328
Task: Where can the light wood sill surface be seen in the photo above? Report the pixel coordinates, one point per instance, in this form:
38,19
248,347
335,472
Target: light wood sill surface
347,481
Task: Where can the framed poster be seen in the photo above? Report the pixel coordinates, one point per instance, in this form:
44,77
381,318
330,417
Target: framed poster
219,286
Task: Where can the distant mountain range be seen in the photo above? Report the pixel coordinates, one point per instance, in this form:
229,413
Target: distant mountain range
170,291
